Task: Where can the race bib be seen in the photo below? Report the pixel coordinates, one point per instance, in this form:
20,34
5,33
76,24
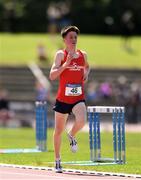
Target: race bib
73,90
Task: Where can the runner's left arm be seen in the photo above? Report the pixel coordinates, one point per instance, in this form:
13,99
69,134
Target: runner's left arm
87,67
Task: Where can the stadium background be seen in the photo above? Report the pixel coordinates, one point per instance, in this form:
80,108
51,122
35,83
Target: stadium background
111,17
110,33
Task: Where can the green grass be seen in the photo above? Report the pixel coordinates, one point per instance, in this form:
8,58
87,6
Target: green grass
25,138
103,51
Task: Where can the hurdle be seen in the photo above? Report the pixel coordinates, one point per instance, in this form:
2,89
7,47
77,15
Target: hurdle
118,133
40,129
41,125
94,119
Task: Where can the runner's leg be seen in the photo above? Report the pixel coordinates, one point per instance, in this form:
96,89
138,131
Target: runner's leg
60,120
79,110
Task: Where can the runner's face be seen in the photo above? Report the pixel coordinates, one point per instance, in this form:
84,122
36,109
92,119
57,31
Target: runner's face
71,39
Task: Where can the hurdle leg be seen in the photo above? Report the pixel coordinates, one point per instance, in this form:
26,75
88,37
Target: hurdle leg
119,135
37,109
40,120
114,135
95,136
90,120
123,136
98,137
44,123
43,126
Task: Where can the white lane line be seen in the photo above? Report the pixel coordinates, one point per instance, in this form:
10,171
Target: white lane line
40,175
96,173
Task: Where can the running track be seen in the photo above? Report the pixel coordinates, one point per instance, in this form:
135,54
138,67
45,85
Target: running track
15,173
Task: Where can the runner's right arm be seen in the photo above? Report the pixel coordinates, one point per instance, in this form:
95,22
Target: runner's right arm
57,68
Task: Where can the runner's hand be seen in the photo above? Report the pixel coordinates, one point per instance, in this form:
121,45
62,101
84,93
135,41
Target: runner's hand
69,58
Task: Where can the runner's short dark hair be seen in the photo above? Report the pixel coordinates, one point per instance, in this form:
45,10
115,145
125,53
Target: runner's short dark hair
67,29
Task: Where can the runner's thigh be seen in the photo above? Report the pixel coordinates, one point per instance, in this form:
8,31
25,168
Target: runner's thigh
79,110
60,120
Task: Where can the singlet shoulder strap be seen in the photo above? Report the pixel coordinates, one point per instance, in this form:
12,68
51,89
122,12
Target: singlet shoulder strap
65,55
81,54
65,52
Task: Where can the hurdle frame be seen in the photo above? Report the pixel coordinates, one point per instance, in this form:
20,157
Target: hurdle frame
118,133
40,130
41,125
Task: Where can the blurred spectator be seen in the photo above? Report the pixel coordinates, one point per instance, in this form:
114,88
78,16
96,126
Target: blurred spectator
121,91
58,15
65,9
92,94
5,113
109,21
105,90
127,27
53,15
9,17
42,93
134,103
42,55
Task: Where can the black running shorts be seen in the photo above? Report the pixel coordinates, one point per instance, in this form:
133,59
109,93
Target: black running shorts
64,107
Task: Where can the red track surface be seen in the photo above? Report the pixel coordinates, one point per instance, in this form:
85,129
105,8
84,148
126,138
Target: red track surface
10,173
